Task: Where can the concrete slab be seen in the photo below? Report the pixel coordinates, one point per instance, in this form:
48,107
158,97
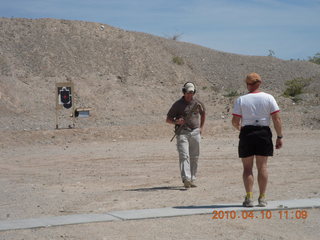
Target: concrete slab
197,210
153,213
55,221
158,213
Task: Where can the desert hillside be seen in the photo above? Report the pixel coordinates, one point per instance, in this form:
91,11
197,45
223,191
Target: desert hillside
130,78
121,158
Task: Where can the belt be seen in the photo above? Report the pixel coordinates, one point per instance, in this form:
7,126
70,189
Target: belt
189,129
255,127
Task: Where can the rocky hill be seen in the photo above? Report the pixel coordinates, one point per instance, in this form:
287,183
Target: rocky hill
129,78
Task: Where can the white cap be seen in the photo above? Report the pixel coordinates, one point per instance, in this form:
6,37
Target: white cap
189,87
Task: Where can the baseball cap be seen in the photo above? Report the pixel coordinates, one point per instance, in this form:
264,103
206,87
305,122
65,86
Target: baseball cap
189,87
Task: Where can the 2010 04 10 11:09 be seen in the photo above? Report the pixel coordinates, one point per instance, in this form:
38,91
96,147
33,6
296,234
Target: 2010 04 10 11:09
264,214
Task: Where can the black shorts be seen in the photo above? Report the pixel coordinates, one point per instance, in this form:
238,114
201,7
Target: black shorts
255,140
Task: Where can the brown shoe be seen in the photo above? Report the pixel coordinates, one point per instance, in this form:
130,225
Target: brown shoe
187,183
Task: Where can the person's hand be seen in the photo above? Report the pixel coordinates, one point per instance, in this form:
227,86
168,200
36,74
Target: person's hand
278,143
180,121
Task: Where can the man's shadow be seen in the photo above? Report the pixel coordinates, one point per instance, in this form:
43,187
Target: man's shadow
170,188
209,206
181,188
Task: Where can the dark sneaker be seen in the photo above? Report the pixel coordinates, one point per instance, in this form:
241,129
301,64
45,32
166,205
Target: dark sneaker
262,202
187,183
248,202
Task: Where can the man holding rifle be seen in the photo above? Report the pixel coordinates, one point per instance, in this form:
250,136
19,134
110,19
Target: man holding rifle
188,116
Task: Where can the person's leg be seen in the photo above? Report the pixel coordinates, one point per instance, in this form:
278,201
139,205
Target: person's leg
247,173
248,180
184,160
194,151
262,167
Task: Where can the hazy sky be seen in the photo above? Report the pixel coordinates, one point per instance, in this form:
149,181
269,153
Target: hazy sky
290,28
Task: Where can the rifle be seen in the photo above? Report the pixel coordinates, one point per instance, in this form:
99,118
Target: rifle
185,121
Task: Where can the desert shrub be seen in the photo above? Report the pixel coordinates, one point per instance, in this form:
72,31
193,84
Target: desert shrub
271,53
178,60
175,36
315,58
232,93
295,86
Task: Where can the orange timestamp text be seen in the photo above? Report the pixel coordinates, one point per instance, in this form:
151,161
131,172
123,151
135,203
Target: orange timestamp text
281,214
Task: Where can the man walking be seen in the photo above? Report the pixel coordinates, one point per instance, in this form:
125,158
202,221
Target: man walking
251,116
188,116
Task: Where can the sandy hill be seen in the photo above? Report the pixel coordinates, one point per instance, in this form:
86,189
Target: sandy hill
129,78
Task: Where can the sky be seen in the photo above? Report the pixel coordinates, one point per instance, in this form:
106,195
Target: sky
287,29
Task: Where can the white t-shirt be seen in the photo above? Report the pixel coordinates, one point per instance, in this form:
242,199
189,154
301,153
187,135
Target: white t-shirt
255,108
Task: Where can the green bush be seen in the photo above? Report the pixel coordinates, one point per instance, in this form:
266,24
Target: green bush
232,93
315,58
295,86
178,60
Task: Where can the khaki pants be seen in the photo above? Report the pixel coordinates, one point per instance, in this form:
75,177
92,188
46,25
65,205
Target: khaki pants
188,145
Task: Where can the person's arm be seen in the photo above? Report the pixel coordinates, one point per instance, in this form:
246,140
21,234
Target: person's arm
277,123
202,120
236,122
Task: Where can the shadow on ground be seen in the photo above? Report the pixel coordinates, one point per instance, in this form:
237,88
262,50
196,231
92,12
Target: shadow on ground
176,188
208,206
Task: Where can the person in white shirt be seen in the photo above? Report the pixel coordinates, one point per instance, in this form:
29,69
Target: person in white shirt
251,116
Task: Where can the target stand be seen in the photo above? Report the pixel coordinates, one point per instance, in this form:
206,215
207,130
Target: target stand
65,104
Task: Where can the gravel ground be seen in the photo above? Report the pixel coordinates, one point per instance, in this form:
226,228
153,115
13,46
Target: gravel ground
45,179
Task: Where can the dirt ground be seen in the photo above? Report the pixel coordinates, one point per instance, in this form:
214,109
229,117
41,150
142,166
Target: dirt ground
49,174
121,157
